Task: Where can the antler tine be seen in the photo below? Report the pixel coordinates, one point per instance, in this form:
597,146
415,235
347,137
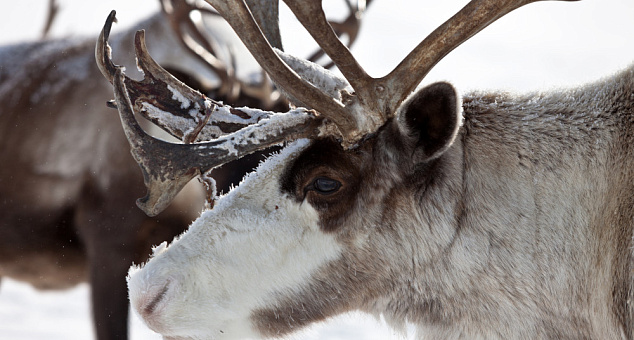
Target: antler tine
201,47
103,52
238,15
473,18
349,26
53,9
312,17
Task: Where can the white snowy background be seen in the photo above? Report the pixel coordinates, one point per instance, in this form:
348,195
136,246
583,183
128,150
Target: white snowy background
542,46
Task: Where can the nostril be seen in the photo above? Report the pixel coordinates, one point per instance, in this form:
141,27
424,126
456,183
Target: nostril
151,306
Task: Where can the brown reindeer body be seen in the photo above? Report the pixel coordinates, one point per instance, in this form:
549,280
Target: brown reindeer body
67,212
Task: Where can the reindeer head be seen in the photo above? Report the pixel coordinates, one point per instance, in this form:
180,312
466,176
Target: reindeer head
341,219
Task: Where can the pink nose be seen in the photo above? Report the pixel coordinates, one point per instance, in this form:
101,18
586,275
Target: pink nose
151,303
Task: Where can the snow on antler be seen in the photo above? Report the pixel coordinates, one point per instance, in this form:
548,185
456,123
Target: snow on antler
167,167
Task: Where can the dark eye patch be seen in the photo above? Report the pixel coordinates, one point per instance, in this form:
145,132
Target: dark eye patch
326,177
322,168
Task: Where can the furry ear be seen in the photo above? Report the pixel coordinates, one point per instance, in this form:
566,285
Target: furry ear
430,119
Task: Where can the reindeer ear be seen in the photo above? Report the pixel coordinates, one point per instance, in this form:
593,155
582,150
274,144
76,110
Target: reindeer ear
430,119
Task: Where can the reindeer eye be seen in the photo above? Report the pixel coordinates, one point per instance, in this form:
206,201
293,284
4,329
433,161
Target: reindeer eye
326,186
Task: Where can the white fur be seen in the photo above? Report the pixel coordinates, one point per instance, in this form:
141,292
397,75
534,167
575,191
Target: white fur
253,246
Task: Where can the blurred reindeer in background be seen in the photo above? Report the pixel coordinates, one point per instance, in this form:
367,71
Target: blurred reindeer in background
68,181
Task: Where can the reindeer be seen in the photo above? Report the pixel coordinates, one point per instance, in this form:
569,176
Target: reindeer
481,217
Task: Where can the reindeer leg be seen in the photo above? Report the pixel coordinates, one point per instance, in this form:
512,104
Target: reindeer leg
109,296
108,222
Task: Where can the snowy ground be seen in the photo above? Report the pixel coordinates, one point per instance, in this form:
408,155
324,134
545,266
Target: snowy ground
545,45
28,314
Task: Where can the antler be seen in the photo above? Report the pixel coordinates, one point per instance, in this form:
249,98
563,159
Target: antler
167,167
161,107
347,113
166,101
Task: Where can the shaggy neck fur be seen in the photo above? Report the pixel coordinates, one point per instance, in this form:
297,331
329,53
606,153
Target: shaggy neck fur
543,238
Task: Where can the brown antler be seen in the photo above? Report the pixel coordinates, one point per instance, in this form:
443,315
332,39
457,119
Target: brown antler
474,17
167,167
166,101
348,27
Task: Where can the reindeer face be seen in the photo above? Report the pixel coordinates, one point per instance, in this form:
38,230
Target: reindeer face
315,231
257,242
